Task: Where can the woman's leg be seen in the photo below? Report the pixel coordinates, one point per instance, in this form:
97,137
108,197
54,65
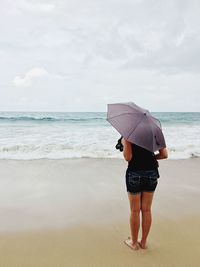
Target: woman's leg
146,202
135,207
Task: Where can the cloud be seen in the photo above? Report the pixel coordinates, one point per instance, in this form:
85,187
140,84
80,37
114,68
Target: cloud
36,7
132,48
29,76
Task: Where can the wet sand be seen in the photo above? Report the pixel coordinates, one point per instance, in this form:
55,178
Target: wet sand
75,212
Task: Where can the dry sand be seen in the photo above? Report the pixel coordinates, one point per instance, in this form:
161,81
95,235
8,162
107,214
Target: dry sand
75,212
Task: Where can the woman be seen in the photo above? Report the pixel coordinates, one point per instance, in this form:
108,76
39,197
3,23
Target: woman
141,181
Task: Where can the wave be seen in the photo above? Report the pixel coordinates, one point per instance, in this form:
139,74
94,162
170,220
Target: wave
166,118
83,134
61,151
49,119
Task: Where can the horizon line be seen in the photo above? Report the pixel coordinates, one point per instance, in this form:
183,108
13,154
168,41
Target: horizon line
59,111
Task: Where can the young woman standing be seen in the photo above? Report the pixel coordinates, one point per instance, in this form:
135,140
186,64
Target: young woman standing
141,181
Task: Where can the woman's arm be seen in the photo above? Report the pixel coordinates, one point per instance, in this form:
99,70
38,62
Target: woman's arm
163,154
127,149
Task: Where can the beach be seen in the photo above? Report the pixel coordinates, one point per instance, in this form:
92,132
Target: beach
85,85
75,212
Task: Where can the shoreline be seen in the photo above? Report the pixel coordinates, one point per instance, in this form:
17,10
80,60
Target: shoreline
92,158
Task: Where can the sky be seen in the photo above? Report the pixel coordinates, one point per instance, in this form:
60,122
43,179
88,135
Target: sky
75,55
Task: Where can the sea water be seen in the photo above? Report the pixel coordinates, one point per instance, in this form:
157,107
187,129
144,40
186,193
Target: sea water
34,135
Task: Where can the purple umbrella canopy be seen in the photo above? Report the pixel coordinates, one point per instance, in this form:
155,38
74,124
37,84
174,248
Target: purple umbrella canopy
136,125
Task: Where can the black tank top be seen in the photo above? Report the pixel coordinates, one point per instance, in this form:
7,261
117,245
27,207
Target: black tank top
142,159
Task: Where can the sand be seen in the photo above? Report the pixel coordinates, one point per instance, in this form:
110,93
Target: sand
75,212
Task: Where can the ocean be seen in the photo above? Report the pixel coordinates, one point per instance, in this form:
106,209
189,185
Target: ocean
56,135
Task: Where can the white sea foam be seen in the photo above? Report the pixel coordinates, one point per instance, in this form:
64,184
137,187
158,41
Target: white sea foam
77,135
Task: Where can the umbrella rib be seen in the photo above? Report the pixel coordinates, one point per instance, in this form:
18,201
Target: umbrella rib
135,127
158,121
152,134
122,114
160,128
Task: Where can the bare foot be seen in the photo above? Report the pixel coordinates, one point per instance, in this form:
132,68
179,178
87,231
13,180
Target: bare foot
130,244
142,244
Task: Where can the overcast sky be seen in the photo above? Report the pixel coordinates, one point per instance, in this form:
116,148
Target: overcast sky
79,55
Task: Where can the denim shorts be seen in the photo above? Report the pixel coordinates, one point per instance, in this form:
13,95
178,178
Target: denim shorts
138,181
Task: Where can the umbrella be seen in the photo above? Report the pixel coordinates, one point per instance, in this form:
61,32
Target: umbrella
136,125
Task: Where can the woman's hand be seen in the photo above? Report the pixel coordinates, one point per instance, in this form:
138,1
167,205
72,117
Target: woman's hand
127,149
163,154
